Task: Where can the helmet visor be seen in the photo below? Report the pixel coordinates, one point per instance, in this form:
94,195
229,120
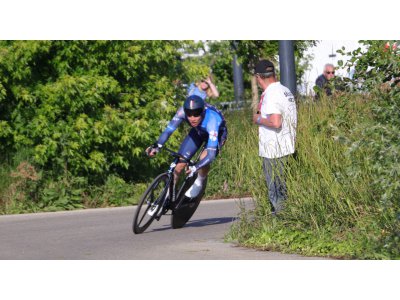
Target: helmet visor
193,112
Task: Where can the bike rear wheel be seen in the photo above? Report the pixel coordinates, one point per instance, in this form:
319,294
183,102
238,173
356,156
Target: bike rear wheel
151,202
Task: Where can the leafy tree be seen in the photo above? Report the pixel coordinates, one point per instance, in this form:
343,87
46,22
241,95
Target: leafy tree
249,53
89,107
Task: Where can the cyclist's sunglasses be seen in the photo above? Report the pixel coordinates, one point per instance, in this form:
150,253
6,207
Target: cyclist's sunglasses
193,112
333,72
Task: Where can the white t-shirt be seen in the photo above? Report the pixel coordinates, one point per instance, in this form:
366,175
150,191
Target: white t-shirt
275,143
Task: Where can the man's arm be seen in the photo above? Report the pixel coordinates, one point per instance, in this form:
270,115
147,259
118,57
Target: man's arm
272,120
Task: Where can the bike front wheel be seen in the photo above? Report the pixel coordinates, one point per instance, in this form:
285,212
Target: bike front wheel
150,203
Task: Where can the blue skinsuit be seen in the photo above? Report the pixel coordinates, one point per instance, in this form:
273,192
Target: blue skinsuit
212,130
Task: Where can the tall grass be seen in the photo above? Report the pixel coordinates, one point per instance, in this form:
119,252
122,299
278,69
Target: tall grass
236,169
318,183
331,210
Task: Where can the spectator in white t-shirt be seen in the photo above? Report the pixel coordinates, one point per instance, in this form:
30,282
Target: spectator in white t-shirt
277,121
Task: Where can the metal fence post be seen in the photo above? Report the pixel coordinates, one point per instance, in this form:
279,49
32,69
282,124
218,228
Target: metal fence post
287,66
237,80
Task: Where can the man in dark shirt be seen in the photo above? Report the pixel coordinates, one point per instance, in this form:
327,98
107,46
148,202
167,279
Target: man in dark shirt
322,82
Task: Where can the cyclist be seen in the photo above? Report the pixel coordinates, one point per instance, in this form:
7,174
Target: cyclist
208,126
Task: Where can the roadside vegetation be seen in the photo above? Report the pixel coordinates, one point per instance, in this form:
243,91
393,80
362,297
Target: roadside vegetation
336,206
70,139
76,116
344,183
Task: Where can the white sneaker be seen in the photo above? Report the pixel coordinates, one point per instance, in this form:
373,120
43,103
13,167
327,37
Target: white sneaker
194,190
152,210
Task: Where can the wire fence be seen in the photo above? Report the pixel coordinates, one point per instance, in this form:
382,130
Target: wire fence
231,105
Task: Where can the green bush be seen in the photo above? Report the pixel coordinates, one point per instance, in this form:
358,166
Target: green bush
89,107
378,75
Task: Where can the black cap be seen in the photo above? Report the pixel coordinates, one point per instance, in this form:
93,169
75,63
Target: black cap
264,66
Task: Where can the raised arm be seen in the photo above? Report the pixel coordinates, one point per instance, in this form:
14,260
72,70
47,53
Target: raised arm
213,88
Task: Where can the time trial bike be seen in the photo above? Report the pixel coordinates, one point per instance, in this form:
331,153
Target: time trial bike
161,198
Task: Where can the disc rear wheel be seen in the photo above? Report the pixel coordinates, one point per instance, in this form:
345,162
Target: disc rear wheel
185,206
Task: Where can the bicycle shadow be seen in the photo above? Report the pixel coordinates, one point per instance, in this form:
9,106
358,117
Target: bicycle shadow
202,223
211,221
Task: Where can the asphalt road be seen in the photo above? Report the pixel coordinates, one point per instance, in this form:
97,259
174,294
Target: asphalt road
106,234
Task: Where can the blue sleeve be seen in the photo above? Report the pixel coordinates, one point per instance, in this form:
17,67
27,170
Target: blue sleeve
172,126
213,123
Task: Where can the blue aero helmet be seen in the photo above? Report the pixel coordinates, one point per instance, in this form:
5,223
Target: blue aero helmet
193,106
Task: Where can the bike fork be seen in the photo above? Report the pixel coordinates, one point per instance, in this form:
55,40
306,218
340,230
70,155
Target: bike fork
168,198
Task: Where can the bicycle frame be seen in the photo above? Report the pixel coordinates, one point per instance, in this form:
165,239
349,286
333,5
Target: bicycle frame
171,183
155,205
171,198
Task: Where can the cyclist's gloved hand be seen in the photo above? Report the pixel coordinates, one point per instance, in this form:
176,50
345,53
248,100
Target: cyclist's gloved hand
153,149
191,171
